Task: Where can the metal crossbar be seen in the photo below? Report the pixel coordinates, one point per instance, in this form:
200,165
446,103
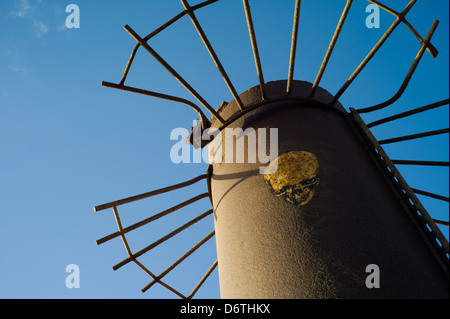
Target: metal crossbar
409,113
204,120
150,194
252,34
331,47
162,239
143,42
408,76
133,256
157,279
211,51
425,163
127,248
173,72
179,260
152,218
414,136
373,51
432,195
293,47
155,32
430,48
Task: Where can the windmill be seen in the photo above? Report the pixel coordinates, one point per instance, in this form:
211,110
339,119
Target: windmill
336,203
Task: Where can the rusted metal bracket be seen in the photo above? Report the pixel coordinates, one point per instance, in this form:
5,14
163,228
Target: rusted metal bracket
427,225
412,69
132,257
430,48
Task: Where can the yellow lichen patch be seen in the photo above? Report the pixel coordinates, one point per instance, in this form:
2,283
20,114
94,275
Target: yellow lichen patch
293,176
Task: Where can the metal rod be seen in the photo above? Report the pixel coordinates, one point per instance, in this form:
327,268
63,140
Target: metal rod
293,47
373,51
149,194
200,283
127,248
409,75
212,53
178,261
251,31
430,48
414,136
161,240
408,113
424,217
158,30
137,262
159,281
151,219
122,235
441,222
172,72
331,47
176,18
151,35
203,4
129,63
165,25
425,163
432,195
203,118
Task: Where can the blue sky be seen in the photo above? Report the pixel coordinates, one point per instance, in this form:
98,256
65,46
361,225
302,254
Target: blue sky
68,144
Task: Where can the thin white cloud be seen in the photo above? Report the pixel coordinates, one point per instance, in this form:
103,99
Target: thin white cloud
62,27
22,8
27,9
40,28
19,69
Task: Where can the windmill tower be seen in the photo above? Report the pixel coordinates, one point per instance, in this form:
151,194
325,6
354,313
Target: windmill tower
308,222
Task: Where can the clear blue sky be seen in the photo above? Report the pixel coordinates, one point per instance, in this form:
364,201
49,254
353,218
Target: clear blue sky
68,144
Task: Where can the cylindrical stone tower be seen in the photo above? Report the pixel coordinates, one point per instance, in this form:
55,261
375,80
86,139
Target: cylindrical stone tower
311,228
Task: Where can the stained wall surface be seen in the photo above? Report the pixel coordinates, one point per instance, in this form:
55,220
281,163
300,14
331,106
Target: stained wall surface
311,229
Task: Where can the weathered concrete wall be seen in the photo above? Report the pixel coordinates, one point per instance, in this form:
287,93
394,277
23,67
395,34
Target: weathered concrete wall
319,245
